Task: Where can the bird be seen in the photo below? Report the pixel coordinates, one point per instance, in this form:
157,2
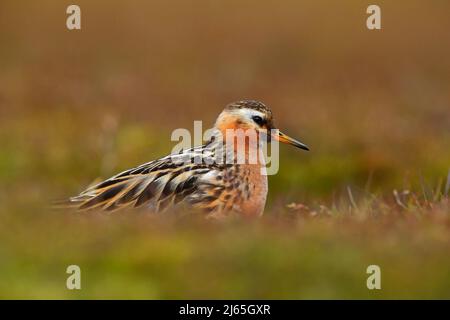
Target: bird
200,179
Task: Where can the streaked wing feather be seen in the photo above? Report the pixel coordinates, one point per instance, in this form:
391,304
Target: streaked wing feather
159,184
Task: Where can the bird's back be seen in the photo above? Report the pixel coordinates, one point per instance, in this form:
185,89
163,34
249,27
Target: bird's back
189,178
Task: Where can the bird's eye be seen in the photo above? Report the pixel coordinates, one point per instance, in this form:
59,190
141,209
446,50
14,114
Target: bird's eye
258,120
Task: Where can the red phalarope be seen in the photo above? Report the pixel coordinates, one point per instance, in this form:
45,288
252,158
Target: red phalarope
218,188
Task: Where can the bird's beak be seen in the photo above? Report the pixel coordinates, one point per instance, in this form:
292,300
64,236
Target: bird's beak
280,136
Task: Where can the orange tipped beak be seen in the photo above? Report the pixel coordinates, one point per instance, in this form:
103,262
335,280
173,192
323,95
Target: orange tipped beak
280,136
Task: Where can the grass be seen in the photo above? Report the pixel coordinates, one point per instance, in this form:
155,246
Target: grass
373,107
291,253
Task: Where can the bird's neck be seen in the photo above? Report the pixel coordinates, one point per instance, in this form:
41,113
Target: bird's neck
238,146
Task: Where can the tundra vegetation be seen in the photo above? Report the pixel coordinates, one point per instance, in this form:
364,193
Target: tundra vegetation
373,105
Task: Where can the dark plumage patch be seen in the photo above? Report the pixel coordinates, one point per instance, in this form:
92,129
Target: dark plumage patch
189,183
168,190
180,196
130,195
108,183
103,197
185,188
147,194
249,104
167,165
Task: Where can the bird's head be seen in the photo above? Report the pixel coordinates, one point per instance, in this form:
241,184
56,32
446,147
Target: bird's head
253,115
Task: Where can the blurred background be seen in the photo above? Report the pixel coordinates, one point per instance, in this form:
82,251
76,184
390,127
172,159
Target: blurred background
374,106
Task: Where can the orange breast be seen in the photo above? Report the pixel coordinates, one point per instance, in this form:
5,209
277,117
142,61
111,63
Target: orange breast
255,191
